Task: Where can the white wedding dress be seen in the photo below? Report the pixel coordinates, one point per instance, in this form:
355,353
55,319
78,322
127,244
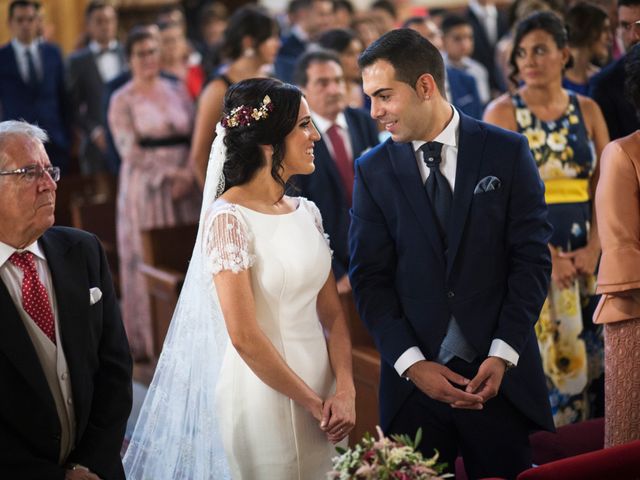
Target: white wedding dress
267,436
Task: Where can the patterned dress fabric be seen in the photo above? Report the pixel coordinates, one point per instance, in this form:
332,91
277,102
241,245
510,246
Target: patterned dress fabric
622,352
570,344
144,192
266,435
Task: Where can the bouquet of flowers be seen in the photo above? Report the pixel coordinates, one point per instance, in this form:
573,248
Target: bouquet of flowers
386,458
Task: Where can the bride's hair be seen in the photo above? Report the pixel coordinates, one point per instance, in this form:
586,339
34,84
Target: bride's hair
244,155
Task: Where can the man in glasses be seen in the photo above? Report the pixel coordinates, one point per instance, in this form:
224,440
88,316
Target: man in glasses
65,366
607,87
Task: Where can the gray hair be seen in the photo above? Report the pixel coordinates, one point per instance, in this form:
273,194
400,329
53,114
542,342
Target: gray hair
12,128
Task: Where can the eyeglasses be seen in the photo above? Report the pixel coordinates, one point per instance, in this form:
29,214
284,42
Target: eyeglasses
32,173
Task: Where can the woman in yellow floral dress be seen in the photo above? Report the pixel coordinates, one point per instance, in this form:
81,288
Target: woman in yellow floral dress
566,134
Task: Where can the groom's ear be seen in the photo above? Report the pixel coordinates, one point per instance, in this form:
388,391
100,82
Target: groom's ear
426,86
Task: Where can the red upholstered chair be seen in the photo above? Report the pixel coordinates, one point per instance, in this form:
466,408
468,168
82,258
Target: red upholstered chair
568,441
620,463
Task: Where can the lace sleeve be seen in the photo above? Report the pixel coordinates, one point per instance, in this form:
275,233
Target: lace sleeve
317,219
227,246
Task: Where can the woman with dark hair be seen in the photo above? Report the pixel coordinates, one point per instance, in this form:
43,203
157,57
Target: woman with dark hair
566,134
255,376
348,47
249,46
618,207
590,39
151,120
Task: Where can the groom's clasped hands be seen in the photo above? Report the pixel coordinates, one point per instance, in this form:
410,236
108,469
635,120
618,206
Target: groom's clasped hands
439,383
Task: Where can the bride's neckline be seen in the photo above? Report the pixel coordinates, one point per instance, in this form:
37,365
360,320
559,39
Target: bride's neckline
262,213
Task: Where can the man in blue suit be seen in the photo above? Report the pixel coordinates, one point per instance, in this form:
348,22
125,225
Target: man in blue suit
450,266
32,83
346,134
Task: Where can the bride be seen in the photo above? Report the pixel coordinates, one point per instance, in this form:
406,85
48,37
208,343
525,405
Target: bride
254,380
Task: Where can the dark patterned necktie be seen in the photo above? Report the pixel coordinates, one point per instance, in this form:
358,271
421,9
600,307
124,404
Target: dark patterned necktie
31,70
437,186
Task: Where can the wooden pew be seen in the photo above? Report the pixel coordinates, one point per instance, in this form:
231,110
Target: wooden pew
98,216
166,254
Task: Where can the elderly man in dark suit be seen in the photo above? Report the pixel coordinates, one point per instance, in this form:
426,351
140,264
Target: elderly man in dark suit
65,367
346,134
450,266
32,81
88,70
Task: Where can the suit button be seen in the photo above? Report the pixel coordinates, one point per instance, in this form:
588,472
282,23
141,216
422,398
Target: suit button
450,294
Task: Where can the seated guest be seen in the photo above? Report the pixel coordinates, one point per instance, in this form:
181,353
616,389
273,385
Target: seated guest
618,207
151,119
457,39
65,367
590,37
346,133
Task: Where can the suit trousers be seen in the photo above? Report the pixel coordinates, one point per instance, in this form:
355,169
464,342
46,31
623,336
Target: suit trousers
494,441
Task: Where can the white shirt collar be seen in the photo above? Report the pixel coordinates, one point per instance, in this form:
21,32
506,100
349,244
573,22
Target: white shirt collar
21,47
96,48
483,11
448,136
322,124
300,33
7,250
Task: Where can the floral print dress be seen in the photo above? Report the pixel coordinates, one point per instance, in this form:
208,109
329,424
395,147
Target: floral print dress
571,346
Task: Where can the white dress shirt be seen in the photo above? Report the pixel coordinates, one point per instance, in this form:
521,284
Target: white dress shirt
449,139
108,62
20,50
322,124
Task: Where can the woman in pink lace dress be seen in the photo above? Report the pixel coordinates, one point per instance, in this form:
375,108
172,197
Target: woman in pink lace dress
151,119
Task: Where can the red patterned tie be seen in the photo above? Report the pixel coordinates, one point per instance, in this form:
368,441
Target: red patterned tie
35,299
343,162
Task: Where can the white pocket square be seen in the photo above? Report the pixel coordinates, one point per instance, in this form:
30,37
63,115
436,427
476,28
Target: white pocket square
95,294
487,184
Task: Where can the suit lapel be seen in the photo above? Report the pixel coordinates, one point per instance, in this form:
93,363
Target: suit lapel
357,144
322,151
470,148
16,344
71,285
406,170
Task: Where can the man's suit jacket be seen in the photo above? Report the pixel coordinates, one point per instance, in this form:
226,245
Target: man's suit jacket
464,93
325,187
290,50
607,89
97,354
86,90
484,51
45,105
493,277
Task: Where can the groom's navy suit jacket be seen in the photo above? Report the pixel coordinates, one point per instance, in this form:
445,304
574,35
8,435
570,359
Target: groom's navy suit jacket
493,278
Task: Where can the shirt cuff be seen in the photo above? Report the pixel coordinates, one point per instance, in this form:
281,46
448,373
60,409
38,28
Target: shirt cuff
408,358
500,348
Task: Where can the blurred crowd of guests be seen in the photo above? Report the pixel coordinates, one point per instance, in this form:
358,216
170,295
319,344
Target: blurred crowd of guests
146,111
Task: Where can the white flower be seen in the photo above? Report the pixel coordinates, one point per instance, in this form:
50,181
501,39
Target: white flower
523,117
556,141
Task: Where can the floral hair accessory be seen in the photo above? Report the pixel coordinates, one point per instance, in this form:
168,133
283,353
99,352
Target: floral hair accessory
243,116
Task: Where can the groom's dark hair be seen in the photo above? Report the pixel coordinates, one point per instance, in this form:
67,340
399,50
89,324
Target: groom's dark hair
410,54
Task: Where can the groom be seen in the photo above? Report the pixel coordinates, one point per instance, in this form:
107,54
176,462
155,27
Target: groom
450,266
